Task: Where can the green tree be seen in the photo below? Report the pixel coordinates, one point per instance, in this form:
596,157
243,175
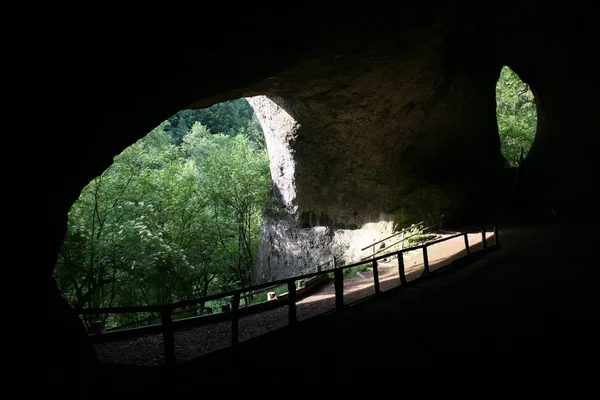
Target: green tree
516,116
165,222
235,117
234,175
129,231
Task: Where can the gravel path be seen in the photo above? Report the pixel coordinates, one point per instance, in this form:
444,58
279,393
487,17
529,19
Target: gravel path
194,342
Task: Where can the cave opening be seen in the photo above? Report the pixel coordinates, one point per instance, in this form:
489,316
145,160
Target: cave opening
516,115
176,216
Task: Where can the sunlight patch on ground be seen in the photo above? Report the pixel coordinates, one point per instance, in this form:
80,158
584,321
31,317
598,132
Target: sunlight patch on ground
316,297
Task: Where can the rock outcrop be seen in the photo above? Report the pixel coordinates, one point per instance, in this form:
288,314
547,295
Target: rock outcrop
364,131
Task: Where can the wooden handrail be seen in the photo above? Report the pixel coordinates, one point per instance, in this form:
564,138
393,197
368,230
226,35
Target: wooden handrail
152,318
158,308
421,246
168,326
393,244
392,235
318,267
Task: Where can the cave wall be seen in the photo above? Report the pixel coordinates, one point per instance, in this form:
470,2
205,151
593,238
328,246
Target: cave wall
293,242
350,144
556,59
377,121
387,99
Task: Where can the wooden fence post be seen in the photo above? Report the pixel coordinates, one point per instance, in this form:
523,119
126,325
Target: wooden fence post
167,331
425,261
234,320
338,284
292,299
496,238
401,271
376,277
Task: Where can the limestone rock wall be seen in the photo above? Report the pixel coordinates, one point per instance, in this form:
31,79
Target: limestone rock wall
288,249
348,155
280,129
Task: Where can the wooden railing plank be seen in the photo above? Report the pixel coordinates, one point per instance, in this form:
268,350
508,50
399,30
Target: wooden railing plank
168,340
425,261
376,277
401,270
292,301
338,284
235,329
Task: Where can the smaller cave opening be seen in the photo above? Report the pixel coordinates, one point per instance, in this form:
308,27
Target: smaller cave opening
516,116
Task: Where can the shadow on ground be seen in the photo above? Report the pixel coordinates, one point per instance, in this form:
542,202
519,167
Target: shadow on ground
531,306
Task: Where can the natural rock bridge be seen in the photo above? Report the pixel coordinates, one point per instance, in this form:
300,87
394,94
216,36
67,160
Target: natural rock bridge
367,107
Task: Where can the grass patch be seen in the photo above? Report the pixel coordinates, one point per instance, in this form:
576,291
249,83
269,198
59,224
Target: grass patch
351,272
262,297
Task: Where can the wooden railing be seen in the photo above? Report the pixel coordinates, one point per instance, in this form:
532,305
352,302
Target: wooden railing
401,242
403,237
168,325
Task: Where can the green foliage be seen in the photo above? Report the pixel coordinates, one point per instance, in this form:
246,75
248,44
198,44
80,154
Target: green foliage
236,180
516,116
351,272
168,221
412,237
231,118
426,203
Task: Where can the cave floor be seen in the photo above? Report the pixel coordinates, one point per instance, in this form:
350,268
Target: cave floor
529,308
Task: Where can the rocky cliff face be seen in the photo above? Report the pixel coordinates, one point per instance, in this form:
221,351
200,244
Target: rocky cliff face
347,151
288,249
289,245
407,110
280,130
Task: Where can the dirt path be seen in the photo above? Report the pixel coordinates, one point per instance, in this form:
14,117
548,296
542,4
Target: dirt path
194,342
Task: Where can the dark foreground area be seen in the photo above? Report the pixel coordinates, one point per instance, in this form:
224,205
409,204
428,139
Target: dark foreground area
530,307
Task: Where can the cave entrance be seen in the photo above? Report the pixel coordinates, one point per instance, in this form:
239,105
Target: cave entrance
516,115
176,216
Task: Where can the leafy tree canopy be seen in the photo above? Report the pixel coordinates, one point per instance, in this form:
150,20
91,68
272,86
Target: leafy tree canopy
173,218
516,115
231,118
